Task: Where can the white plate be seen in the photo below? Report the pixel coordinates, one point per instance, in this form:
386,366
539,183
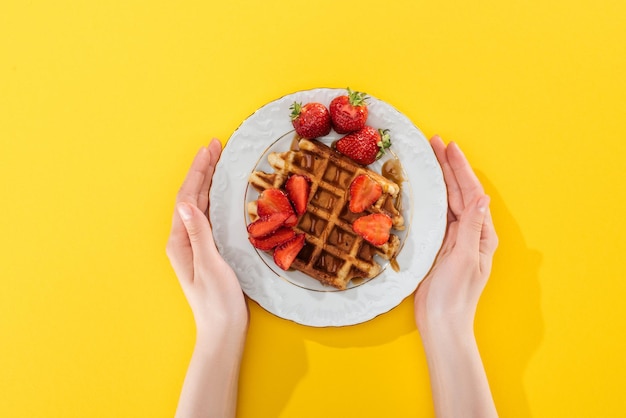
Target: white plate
291,295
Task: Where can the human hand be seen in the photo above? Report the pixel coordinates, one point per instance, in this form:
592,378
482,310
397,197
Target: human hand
213,293
208,282
446,300
449,294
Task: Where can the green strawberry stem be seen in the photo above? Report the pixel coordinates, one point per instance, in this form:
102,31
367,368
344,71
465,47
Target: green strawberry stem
384,143
356,98
295,110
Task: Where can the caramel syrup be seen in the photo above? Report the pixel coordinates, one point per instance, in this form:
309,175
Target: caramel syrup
294,143
392,170
394,264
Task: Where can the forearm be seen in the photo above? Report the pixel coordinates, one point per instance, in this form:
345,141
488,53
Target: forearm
458,380
210,387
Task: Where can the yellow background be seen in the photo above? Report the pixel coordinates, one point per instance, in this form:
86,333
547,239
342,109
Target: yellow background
104,103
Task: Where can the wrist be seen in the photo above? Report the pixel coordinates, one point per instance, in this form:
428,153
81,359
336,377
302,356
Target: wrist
447,331
221,325
456,370
221,337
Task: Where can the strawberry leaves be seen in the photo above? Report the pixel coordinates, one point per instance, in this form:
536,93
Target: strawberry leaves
311,120
349,112
364,146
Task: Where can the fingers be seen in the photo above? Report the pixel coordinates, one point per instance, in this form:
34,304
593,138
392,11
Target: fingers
488,245
455,198
193,191
488,238
214,149
468,182
199,233
471,225
192,185
189,192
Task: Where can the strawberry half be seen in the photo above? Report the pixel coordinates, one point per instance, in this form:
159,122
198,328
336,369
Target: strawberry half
265,225
298,188
373,228
311,120
349,112
363,193
268,242
286,253
364,146
275,201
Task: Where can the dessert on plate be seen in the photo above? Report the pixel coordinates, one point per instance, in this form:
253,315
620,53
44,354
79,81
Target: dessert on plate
286,215
328,216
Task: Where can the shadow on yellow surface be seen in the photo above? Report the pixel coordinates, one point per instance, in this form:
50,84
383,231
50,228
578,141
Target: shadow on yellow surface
276,359
289,358
509,323
509,327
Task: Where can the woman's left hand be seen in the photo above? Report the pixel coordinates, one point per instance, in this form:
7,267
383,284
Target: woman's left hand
208,282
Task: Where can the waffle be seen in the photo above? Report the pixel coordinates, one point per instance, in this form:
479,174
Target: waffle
333,253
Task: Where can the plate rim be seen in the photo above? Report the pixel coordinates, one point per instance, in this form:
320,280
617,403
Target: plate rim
436,241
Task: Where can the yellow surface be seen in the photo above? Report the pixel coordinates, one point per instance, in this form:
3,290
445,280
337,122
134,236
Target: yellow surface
104,103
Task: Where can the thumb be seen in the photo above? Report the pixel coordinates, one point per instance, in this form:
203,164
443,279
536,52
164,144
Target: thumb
198,230
471,225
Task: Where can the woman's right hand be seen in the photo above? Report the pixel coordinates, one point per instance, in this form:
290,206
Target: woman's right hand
446,300
450,291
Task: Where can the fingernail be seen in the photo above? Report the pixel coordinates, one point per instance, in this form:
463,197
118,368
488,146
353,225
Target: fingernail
456,146
483,203
184,211
216,141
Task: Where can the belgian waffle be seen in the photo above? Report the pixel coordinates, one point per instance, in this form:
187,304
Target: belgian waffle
333,253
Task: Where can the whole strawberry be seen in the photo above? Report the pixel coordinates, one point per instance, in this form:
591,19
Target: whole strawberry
364,146
349,112
311,120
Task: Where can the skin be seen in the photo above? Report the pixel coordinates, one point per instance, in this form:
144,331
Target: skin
214,295
445,301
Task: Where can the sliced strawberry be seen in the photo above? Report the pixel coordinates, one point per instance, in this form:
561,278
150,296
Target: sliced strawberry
373,228
273,201
285,253
268,242
298,188
292,220
363,193
267,224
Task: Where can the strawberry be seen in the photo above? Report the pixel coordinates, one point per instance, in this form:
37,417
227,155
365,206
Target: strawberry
349,112
267,224
363,193
266,243
285,253
311,120
364,146
275,201
298,188
373,228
